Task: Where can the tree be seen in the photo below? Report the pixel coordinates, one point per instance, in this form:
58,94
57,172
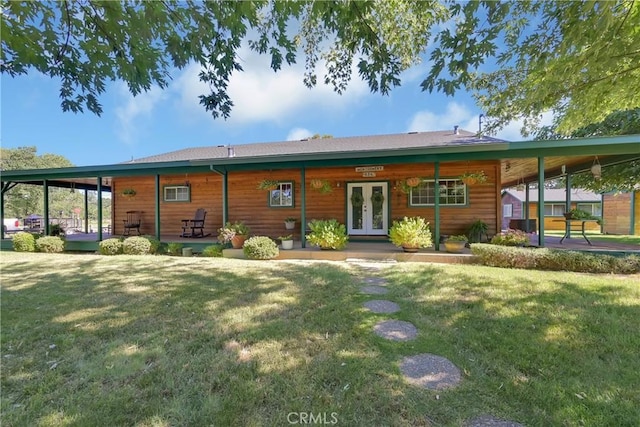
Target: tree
621,177
86,44
520,59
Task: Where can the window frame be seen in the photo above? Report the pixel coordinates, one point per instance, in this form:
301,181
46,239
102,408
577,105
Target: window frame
458,185
507,207
591,205
270,196
176,187
553,206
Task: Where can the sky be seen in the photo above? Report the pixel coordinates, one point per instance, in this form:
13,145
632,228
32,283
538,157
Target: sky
269,107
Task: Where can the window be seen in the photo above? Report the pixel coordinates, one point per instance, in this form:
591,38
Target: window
281,196
594,209
177,193
507,210
554,209
451,192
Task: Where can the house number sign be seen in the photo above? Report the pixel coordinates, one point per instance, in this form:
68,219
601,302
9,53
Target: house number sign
370,169
368,174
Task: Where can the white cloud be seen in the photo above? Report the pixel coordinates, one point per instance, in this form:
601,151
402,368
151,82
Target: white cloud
296,134
454,114
135,108
261,95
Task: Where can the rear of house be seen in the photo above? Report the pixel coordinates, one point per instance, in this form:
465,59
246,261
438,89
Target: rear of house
621,213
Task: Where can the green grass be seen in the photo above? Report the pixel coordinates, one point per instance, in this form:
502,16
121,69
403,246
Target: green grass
164,341
595,236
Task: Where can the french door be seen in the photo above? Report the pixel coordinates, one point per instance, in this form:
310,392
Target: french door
367,208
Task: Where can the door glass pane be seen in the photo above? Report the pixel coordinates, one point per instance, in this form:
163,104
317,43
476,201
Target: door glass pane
356,211
377,204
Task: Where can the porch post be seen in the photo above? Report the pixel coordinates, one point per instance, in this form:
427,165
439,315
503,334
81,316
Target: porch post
99,188
157,208
86,212
2,211
436,206
225,198
567,208
45,190
632,214
541,202
526,208
303,208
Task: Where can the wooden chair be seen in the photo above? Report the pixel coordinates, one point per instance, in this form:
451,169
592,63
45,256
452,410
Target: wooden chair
195,225
131,222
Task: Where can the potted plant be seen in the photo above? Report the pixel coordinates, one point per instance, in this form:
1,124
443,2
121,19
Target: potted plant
511,238
327,234
455,244
290,222
321,185
286,241
128,192
472,178
410,233
268,184
476,230
235,233
409,183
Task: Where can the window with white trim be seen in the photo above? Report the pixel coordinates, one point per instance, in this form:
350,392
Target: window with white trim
594,209
177,193
451,192
282,196
507,210
554,209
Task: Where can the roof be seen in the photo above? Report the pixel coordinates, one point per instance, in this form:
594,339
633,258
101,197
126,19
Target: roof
556,195
351,145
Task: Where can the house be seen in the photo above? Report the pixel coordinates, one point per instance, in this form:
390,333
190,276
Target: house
621,213
362,181
514,201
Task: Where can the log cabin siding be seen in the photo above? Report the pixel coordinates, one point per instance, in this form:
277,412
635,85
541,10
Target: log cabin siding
617,213
249,204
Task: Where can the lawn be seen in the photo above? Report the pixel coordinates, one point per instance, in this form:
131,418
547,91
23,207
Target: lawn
599,237
166,341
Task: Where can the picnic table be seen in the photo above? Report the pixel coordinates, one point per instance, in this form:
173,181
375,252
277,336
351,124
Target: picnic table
570,223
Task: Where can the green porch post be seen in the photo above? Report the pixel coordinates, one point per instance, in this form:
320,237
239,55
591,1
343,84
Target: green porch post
436,206
632,215
2,211
303,208
157,215
45,190
99,188
86,212
567,207
541,202
526,208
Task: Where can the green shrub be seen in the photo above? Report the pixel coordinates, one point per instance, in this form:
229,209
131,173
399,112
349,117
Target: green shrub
174,248
56,230
50,244
111,246
136,245
511,238
411,232
260,247
24,242
553,259
155,244
213,251
327,234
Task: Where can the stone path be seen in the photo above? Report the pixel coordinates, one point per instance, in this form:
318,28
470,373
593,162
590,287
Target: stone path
424,370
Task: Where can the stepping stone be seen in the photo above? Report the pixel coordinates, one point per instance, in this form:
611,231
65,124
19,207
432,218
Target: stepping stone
395,330
489,421
374,290
382,306
430,371
375,281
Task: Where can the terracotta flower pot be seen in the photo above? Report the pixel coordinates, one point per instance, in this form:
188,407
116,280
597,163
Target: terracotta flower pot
238,240
413,182
455,247
316,183
410,248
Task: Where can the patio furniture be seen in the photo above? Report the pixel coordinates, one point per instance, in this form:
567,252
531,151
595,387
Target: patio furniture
132,222
194,227
572,222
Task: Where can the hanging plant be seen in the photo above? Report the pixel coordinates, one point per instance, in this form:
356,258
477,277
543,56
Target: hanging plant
357,200
321,185
268,184
128,192
377,199
409,183
472,178
413,182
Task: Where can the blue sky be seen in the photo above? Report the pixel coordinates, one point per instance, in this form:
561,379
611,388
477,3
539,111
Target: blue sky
268,107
